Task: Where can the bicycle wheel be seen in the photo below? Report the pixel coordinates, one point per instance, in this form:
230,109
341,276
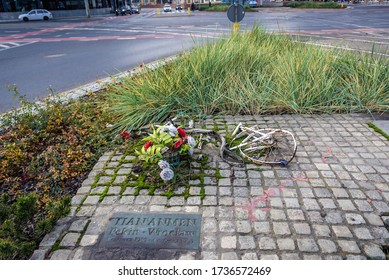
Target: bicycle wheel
277,146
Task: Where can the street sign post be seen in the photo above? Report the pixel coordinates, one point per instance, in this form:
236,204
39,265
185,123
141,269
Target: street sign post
235,14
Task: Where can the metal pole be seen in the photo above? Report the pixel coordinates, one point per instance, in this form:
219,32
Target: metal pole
87,10
236,23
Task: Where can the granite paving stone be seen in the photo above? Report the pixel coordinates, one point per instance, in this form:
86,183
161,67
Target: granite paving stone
227,226
78,225
261,227
61,254
327,203
250,256
247,242
374,252
302,228
311,204
70,239
229,256
363,205
286,244
307,245
354,219
98,190
114,190
243,226
346,204
342,231
321,230
295,214
281,228
349,246
292,203
362,233
334,217
267,243
228,242
373,219
327,246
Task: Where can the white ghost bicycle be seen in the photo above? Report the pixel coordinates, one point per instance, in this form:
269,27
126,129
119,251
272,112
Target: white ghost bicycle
264,146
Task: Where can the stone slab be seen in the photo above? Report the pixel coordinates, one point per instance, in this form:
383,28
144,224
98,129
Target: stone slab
153,231
383,125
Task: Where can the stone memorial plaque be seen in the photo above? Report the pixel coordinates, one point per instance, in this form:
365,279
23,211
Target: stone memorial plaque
153,230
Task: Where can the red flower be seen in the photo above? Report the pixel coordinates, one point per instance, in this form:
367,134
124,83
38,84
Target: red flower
181,132
148,145
125,135
178,144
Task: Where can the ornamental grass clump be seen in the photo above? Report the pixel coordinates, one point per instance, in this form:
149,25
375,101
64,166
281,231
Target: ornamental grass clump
253,73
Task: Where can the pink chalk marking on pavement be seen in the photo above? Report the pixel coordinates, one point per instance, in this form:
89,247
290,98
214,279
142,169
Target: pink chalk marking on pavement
250,206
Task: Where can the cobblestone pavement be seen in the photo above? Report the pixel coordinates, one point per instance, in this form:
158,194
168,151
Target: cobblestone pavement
330,202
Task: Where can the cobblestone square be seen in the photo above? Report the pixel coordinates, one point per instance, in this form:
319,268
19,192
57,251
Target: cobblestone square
330,202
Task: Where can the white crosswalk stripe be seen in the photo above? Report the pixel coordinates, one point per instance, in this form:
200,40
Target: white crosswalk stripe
4,46
10,45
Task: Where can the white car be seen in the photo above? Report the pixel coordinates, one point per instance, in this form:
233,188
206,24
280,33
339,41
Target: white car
253,4
167,8
36,15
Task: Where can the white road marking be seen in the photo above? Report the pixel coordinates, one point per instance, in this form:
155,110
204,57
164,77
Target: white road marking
55,55
14,45
342,48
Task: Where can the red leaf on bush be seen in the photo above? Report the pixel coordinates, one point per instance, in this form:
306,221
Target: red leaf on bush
178,144
148,145
181,132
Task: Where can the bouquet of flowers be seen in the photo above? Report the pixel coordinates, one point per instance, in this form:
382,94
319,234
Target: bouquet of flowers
165,146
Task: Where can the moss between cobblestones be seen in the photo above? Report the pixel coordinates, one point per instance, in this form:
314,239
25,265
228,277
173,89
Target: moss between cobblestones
83,232
81,203
217,174
56,246
103,194
380,131
202,193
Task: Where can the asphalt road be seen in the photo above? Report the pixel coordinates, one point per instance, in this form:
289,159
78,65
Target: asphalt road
54,56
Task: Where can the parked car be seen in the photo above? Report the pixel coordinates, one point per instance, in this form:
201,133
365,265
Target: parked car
179,7
167,8
135,9
37,14
253,4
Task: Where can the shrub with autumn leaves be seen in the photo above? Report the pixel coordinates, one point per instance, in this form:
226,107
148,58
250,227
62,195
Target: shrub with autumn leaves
45,154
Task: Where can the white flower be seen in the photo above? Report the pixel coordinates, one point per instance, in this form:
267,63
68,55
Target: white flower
167,174
163,164
191,124
190,152
191,141
171,129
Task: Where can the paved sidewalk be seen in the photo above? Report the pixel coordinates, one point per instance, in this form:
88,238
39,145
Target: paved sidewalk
329,203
